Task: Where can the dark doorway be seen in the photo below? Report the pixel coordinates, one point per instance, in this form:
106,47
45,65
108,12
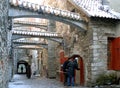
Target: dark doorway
22,67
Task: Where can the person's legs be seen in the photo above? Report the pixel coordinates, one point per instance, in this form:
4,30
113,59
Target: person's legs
72,81
65,78
68,80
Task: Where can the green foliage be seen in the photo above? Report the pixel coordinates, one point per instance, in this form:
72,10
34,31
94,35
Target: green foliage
106,79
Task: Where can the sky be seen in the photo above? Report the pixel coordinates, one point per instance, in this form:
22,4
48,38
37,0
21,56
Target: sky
115,4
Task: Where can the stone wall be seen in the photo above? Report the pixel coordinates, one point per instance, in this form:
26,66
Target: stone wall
102,29
3,44
79,44
43,57
91,46
51,52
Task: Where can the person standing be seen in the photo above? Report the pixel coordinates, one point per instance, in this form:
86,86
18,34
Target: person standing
22,69
70,70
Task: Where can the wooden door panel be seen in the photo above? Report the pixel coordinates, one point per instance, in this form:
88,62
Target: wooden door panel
114,62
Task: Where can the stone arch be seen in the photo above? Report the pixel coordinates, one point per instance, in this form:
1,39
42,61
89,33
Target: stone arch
81,66
80,24
27,67
22,67
71,18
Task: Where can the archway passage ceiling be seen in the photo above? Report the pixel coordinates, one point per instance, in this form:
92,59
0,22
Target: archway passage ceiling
20,8
93,8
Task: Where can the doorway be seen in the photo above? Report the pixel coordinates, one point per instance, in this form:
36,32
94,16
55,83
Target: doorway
79,74
22,67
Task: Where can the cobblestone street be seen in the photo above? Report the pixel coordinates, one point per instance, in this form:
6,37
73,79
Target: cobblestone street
20,81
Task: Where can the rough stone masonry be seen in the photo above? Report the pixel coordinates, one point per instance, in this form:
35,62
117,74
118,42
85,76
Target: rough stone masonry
3,44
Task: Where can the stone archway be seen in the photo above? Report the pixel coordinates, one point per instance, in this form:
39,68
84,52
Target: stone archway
22,67
27,67
79,77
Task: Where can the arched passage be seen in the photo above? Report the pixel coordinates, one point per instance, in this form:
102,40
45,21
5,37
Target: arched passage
80,74
17,10
22,67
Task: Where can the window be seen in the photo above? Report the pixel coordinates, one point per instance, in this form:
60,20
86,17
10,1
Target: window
114,53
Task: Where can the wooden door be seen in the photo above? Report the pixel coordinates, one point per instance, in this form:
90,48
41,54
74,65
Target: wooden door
81,72
62,60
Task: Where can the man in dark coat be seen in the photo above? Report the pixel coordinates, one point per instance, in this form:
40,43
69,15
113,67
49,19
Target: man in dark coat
72,65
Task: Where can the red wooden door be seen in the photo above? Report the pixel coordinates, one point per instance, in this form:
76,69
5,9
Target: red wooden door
114,60
62,60
81,72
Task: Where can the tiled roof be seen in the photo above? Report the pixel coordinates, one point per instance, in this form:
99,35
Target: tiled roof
95,8
36,33
45,9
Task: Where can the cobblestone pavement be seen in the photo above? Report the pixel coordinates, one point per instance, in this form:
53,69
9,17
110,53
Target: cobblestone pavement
20,81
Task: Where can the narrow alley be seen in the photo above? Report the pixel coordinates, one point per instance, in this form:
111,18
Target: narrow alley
21,81
54,43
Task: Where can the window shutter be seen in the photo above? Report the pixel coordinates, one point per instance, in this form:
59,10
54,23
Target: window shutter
114,58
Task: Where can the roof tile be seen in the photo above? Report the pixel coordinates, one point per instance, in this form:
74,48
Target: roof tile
95,8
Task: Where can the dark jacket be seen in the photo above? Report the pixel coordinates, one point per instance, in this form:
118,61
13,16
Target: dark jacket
65,65
70,68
